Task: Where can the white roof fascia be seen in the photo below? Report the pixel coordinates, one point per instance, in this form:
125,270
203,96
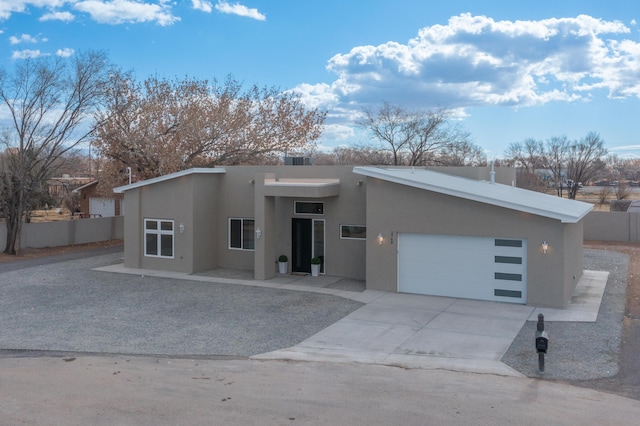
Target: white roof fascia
187,172
564,210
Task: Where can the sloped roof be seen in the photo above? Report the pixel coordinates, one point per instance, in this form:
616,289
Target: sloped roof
85,186
510,197
202,170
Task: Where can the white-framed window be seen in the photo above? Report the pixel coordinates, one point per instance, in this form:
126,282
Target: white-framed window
308,207
353,232
158,238
241,234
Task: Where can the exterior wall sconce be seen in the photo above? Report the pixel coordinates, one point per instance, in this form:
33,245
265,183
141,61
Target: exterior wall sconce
545,247
380,239
258,233
181,228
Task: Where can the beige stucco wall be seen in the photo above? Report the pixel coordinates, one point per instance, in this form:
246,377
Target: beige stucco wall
432,213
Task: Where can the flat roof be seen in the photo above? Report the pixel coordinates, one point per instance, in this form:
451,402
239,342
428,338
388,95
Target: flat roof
187,172
510,197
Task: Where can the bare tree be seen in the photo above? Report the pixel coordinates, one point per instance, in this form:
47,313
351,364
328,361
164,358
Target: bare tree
555,160
413,138
162,126
47,100
585,160
463,154
393,126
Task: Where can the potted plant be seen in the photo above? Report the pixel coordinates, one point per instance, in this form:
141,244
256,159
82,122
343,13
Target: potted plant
283,264
315,266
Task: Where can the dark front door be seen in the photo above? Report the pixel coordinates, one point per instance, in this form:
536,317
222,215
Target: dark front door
301,245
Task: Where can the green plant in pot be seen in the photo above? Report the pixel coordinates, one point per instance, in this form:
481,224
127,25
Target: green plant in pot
315,266
283,266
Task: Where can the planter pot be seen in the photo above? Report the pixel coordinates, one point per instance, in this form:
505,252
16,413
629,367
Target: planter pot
283,267
315,270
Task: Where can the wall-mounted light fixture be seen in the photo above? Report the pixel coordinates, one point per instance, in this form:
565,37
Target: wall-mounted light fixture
182,228
359,183
258,233
545,247
380,239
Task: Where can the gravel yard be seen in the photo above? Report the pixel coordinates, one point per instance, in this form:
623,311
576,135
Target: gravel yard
66,306
580,350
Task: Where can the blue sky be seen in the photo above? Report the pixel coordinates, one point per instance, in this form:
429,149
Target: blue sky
509,69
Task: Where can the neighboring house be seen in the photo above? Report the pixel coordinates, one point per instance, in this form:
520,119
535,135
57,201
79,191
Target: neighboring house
411,230
60,187
93,204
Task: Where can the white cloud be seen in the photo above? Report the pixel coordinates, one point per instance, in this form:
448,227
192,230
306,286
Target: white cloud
122,11
65,53
7,7
202,5
475,60
24,38
240,10
27,54
57,16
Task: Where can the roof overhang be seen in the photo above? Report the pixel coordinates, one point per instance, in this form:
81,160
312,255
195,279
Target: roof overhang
308,188
188,172
510,197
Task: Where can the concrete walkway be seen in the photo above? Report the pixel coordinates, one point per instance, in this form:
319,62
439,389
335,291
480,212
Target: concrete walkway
411,331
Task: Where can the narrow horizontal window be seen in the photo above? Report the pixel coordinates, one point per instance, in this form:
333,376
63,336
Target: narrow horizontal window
507,293
307,207
508,277
508,243
353,232
509,259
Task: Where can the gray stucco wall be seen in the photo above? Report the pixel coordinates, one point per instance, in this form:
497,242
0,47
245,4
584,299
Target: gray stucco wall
432,213
68,232
342,257
612,226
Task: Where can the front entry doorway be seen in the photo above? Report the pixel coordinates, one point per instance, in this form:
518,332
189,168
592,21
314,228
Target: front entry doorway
307,241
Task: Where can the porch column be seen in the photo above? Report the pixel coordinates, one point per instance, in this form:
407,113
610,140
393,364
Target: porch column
265,208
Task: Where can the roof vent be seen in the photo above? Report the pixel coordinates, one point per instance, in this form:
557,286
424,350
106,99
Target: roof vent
492,174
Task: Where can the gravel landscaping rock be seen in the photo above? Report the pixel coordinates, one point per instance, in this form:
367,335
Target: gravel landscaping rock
66,306
580,350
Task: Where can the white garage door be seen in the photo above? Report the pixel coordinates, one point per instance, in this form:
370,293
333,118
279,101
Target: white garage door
102,207
465,267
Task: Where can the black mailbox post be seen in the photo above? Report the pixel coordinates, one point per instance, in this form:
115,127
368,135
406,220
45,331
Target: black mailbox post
542,343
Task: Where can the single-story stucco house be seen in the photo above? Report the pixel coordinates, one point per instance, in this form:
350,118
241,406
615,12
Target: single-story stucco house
457,231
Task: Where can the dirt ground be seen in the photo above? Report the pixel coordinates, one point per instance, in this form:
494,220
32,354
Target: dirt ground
34,253
625,383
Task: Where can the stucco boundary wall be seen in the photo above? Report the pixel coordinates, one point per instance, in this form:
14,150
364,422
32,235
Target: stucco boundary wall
68,232
612,226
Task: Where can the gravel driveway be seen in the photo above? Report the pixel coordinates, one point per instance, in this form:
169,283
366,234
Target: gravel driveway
66,306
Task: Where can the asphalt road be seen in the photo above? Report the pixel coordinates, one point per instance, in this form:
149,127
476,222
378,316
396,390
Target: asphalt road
134,391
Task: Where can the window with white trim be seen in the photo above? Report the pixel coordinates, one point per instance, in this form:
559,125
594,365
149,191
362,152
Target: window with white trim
241,234
353,232
158,238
